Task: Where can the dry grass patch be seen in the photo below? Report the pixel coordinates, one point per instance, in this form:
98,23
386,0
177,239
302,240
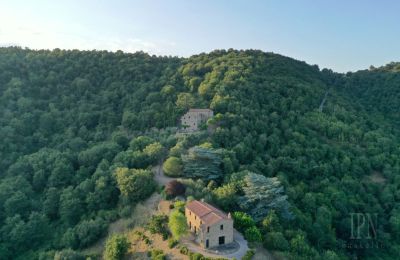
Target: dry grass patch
139,247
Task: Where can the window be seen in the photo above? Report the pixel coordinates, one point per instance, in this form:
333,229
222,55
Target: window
221,227
195,217
190,213
208,229
201,222
221,240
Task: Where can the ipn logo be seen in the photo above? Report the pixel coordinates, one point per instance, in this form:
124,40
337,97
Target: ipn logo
363,225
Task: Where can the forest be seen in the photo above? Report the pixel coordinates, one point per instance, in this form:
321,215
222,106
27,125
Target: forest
81,130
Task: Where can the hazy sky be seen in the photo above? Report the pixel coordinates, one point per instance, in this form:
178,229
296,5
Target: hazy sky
339,34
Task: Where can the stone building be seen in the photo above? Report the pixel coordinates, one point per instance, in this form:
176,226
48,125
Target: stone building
211,226
194,117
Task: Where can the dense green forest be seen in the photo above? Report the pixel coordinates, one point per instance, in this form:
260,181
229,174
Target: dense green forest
80,131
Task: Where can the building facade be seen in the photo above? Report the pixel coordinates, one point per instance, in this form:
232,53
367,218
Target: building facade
211,226
194,117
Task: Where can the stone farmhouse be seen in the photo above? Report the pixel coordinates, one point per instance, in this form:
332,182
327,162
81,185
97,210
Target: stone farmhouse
194,117
211,226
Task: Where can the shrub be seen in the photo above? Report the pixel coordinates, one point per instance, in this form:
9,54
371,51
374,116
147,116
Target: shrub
184,250
249,255
242,221
196,256
172,243
135,184
143,237
157,254
116,247
158,224
180,205
253,234
173,167
177,224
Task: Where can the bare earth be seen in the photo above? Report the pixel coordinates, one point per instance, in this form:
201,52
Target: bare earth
160,177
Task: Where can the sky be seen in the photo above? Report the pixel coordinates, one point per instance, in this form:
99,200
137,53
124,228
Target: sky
343,35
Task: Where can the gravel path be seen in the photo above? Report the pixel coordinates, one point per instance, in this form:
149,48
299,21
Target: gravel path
160,177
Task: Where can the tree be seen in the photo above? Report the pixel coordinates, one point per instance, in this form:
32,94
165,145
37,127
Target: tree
185,101
154,151
88,231
51,203
135,184
242,221
140,142
225,196
276,241
263,194
18,203
300,247
174,188
202,163
71,206
177,224
159,224
395,224
116,247
253,234
271,222
173,167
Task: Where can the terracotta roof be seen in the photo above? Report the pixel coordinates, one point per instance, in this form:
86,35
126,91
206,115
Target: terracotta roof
207,213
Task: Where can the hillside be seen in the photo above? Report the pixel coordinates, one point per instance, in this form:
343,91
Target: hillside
69,120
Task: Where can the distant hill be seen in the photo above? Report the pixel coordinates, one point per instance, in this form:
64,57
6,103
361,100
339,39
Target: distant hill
68,119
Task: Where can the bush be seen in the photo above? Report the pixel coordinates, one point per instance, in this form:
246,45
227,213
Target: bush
157,254
172,243
143,237
249,255
184,250
116,247
177,224
173,167
253,234
180,205
196,256
242,221
135,184
159,224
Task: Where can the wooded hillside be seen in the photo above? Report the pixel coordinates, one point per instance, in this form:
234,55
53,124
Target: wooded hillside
80,130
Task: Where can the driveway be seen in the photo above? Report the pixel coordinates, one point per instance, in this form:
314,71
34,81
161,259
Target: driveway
239,239
160,177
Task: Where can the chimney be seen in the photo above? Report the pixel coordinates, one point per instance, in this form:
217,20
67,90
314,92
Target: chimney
202,200
229,215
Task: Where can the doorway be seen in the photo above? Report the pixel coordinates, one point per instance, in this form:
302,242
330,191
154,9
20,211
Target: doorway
221,240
